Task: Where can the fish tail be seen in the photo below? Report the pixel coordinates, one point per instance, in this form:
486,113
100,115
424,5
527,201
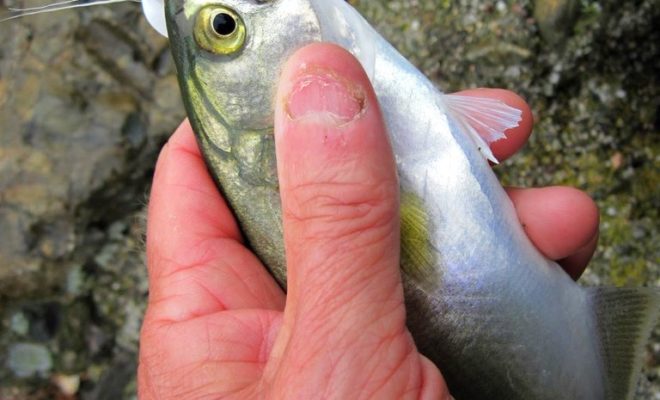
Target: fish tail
625,318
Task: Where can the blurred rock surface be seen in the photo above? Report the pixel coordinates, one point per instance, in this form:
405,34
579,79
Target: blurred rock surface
87,97
556,18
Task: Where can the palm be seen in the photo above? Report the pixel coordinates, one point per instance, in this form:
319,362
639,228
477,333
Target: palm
223,355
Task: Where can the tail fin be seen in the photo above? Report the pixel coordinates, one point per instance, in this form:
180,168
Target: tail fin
625,318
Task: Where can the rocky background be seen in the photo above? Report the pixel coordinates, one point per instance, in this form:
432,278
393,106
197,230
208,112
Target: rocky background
87,98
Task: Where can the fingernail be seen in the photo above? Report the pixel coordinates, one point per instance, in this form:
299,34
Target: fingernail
326,98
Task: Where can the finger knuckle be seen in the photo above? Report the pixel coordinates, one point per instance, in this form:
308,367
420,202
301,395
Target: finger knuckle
331,210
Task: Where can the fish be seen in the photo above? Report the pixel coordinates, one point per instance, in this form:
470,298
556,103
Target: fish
500,319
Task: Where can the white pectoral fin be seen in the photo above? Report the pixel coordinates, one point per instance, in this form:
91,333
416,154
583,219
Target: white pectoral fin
484,119
154,11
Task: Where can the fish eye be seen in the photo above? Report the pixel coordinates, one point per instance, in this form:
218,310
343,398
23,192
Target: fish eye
219,30
224,24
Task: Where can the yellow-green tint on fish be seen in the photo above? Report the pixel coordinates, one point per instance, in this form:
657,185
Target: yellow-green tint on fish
418,259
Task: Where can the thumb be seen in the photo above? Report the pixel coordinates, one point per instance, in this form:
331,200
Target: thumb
339,193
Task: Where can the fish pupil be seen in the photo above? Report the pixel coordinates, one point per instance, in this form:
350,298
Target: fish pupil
224,24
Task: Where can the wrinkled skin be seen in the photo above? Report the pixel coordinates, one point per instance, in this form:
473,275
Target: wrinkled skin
219,326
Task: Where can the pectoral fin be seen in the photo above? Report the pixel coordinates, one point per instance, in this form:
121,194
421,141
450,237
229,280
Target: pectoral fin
625,319
484,119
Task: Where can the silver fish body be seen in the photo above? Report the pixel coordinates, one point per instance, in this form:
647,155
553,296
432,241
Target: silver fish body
499,319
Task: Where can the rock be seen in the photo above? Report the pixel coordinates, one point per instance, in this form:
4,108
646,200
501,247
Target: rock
68,385
87,99
27,359
556,18
82,124
20,324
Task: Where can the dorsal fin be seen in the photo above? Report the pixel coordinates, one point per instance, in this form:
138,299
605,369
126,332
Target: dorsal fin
484,119
625,318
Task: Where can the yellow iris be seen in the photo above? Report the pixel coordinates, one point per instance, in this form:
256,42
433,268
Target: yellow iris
219,30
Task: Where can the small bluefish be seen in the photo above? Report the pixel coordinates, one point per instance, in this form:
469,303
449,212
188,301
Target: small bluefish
501,321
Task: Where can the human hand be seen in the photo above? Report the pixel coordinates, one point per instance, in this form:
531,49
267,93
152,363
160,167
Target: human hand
218,325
